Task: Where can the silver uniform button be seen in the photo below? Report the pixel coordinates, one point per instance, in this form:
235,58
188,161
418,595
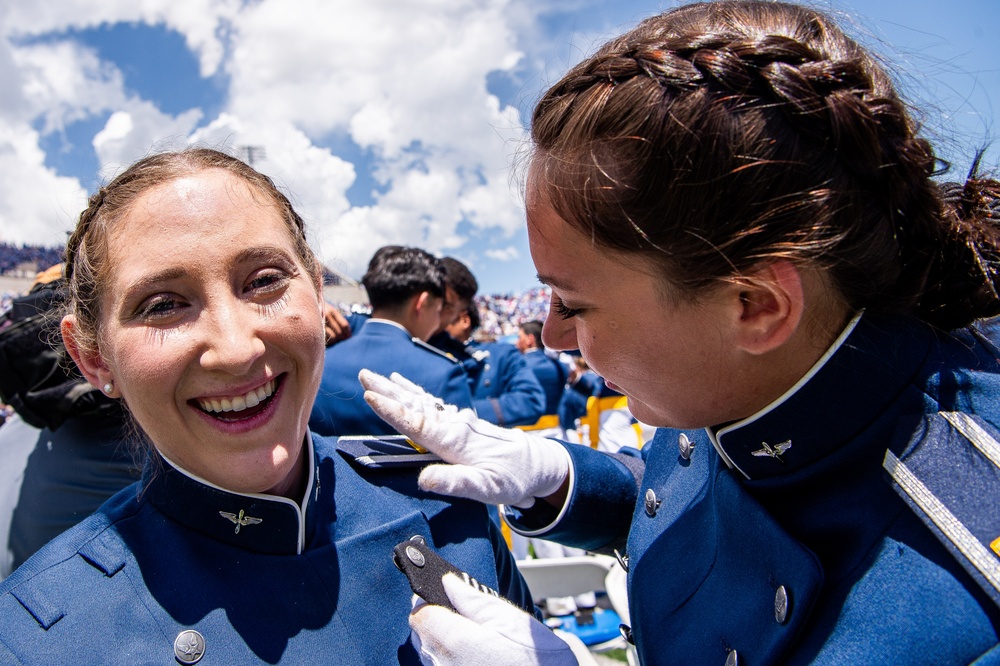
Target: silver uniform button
651,503
189,647
415,556
622,560
781,600
733,659
686,446
626,632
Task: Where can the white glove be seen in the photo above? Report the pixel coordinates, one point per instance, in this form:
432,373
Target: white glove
487,631
489,464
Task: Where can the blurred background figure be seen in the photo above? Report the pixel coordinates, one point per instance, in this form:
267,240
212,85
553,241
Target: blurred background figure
64,450
551,375
406,288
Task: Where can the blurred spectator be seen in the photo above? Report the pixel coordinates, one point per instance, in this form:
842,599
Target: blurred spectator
507,392
406,287
65,451
551,374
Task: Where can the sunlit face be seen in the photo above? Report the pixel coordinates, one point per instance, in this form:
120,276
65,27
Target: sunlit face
212,331
461,329
451,307
524,341
670,357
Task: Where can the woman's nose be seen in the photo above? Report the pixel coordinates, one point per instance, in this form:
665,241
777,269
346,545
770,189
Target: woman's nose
232,343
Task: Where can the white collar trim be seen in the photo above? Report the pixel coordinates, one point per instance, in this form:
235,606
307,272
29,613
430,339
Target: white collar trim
837,344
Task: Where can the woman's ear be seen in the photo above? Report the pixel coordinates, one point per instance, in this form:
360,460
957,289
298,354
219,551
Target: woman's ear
771,304
89,361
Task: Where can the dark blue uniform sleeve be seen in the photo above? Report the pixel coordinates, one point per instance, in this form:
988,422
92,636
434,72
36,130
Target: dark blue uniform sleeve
598,512
518,398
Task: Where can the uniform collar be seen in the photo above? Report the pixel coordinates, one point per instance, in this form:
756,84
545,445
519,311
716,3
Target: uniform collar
859,375
377,320
254,521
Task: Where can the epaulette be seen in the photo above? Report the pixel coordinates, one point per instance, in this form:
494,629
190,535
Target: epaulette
949,476
384,451
429,347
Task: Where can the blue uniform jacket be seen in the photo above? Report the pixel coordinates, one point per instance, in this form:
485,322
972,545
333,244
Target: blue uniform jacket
507,393
794,536
551,374
262,579
382,347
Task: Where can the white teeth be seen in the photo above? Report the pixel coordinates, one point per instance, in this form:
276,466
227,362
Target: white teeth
239,402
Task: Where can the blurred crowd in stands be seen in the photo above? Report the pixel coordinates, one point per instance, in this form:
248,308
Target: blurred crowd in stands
21,260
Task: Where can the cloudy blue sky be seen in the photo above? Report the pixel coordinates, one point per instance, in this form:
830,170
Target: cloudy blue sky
387,121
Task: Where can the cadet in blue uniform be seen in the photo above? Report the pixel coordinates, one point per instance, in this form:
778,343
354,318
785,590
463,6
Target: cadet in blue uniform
505,389
550,372
196,301
405,287
741,233
507,393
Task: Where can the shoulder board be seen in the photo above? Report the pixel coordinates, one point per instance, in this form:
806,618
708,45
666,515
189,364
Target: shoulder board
949,476
384,451
420,343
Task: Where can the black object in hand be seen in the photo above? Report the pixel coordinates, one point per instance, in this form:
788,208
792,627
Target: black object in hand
425,569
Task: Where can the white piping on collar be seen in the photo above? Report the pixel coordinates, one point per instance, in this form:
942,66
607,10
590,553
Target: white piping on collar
300,509
379,320
837,344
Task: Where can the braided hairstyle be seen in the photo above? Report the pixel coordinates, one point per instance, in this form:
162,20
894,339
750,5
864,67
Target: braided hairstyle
720,135
88,264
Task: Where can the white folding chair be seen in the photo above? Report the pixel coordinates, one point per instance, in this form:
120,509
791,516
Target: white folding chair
570,576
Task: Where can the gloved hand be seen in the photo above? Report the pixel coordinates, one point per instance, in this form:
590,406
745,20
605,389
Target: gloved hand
489,464
488,631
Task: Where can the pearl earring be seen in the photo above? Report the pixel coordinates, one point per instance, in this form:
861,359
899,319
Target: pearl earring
109,388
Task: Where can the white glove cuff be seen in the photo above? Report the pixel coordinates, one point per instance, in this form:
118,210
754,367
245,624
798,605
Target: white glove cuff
560,466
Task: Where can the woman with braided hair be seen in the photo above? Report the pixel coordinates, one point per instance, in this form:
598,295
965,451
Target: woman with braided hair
742,234
195,300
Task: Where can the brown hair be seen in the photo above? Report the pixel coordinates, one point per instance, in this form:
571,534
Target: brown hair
87,261
723,134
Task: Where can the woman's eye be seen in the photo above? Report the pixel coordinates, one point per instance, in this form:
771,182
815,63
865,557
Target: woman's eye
561,310
266,282
158,307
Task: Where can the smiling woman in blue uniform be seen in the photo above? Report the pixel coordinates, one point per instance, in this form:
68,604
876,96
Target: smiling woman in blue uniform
196,301
740,229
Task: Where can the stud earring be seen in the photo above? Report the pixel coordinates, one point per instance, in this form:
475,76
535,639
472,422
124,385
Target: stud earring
109,388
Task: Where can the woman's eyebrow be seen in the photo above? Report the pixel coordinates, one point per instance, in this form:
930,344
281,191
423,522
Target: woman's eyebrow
146,282
261,253
554,282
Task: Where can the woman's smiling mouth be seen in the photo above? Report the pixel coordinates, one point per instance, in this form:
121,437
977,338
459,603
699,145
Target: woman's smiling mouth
254,401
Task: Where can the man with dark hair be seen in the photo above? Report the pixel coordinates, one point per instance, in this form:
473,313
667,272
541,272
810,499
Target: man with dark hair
504,388
406,288
460,287
467,322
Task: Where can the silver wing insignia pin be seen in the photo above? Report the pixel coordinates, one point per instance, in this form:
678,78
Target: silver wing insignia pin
773,451
240,520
